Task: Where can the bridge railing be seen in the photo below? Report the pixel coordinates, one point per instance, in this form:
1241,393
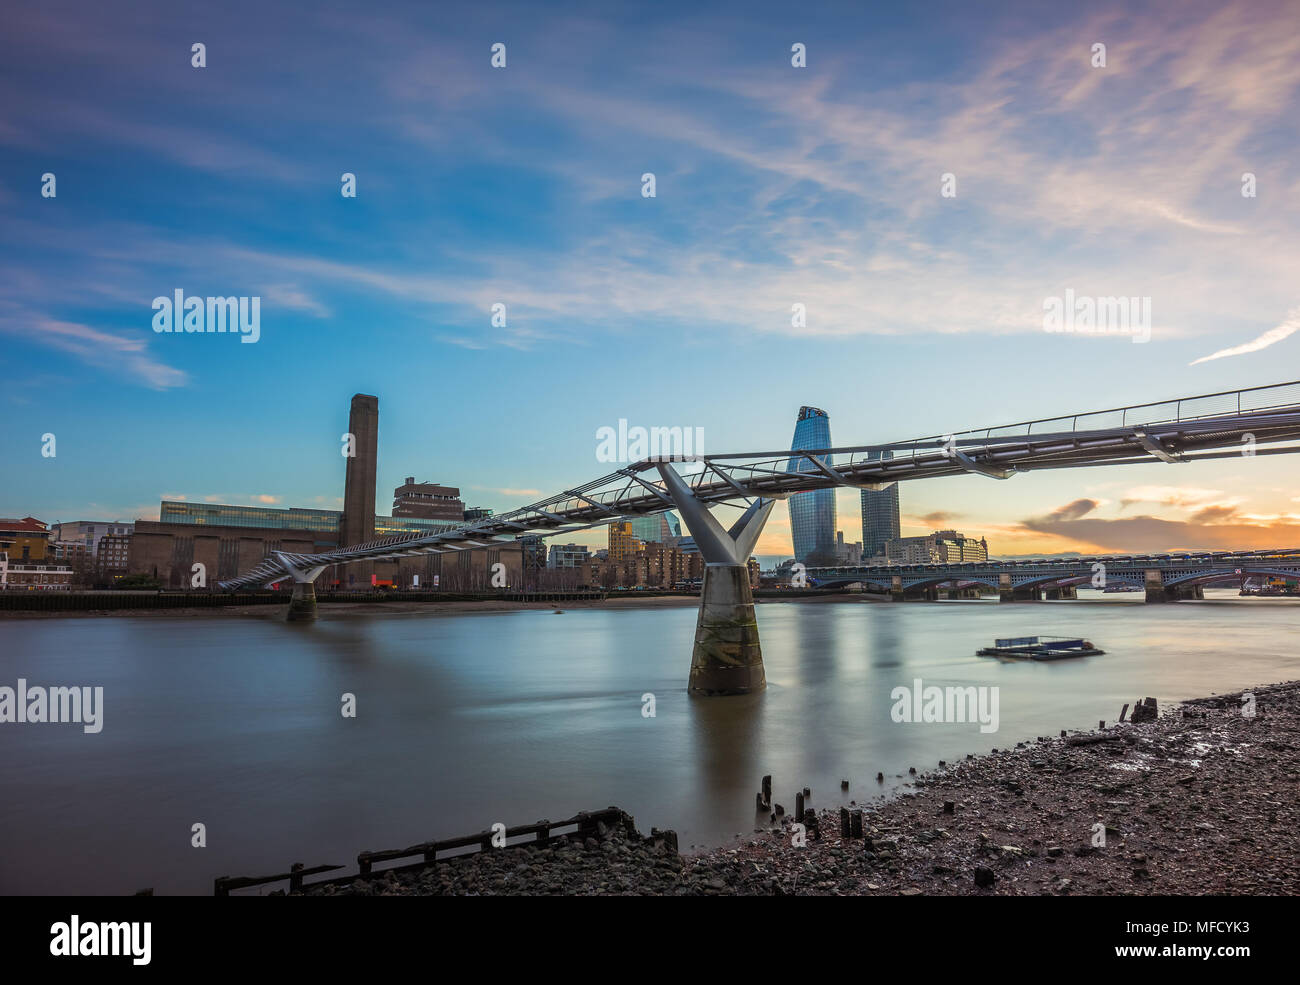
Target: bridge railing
1243,401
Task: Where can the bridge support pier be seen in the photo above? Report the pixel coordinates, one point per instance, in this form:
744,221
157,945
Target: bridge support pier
1011,593
1033,594
302,604
1155,585
726,657
1058,592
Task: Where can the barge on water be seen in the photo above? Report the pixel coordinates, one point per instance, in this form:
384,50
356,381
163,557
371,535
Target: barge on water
1040,648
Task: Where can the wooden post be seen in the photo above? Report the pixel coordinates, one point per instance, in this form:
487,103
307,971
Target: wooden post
855,824
295,877
798,808
844,823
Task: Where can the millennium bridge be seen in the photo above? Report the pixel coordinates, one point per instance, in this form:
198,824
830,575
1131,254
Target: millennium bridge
1164,577
727,658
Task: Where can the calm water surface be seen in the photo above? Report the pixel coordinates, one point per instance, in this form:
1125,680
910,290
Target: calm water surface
465,720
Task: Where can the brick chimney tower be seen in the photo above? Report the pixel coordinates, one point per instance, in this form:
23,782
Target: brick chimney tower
358,522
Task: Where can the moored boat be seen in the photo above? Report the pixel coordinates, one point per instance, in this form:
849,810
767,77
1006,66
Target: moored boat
1040,648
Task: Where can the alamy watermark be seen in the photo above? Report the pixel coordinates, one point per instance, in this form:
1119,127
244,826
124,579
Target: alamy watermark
945,704
242,315
1083,315
56,705
656,444
102,939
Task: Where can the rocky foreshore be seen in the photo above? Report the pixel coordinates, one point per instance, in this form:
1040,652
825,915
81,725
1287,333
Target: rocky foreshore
1199,801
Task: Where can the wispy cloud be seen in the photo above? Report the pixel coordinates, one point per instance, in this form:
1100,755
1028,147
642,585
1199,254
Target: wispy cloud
1066,174
292,297
1290,325
934,519
127,355
1211,528
1182,497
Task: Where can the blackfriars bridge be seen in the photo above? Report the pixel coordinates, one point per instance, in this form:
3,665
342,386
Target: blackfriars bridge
1163,577
727,658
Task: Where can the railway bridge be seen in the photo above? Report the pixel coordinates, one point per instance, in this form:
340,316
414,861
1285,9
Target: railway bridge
1163,577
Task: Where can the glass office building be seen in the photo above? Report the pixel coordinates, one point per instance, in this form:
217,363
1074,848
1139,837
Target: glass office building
880,517
658,528
812,514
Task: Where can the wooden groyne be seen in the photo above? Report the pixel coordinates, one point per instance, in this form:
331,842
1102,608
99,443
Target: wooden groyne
587,824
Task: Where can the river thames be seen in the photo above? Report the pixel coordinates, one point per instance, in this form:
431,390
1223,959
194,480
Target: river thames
464,720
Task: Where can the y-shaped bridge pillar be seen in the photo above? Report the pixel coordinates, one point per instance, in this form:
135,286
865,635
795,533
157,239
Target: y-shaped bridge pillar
727,658
302,605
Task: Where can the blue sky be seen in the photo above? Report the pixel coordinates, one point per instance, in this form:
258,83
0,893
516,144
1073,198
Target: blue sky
522,185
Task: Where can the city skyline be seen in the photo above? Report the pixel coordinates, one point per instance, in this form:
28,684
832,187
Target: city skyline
776,187
1136,534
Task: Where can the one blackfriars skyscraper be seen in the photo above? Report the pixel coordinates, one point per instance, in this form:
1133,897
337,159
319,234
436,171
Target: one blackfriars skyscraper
812,514
880,521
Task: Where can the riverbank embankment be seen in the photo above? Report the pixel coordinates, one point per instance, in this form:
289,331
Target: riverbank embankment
1201,800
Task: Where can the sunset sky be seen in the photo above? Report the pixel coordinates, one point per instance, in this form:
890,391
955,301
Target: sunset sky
522,186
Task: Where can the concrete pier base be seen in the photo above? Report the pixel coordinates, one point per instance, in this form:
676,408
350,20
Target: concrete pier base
302,605
1174,593
1020,594
727,657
